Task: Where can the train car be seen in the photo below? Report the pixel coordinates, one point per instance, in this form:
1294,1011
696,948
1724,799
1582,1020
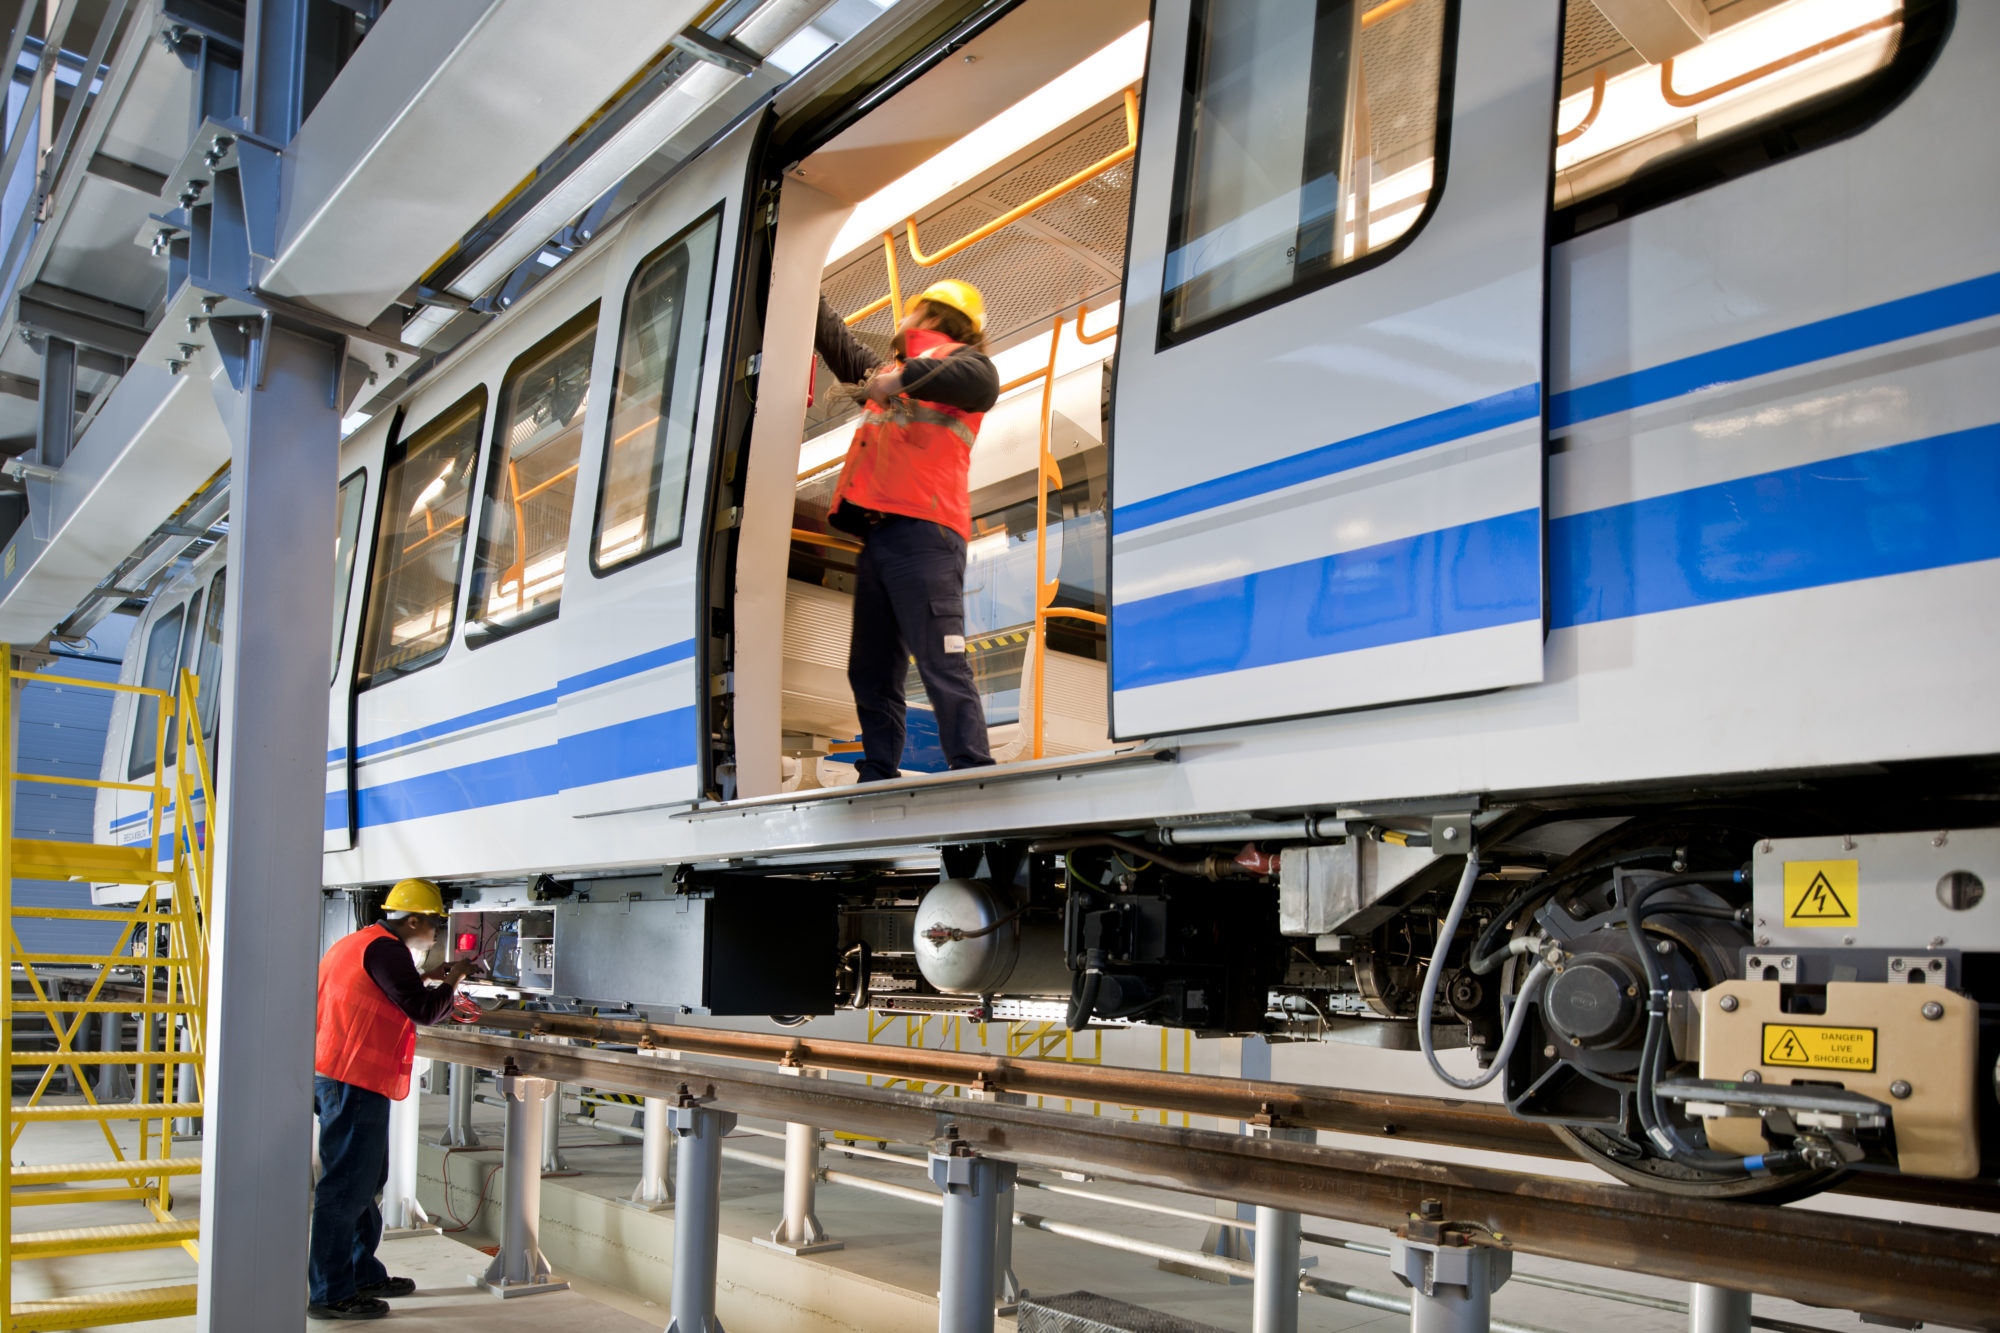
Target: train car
1487,540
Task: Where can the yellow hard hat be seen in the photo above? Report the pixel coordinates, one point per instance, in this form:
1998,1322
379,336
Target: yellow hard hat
960,296
415,895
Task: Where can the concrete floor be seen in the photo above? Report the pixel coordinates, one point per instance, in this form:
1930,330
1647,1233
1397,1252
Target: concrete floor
618,1259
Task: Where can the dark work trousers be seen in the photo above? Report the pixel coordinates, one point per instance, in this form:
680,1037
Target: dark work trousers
909,601
354,1166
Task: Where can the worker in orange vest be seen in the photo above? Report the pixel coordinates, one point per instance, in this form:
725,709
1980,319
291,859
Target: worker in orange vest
371,997
903,491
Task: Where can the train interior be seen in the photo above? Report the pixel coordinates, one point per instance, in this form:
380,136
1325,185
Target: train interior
1032,204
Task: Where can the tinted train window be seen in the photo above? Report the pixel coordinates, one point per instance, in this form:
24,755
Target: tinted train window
531,482
1309,138
650,442
190,644
210,669
1756,81
352,492
420,539
156,672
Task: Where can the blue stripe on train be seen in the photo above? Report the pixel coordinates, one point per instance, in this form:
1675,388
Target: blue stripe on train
631,666
1857,330
1472,576
1405,437
1908,507
656,744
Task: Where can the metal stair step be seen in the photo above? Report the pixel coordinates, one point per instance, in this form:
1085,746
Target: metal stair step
98,1308
110,1111
102,1240
53,1173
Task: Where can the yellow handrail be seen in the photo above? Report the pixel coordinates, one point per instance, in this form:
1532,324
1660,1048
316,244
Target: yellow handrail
1006,219
1049,195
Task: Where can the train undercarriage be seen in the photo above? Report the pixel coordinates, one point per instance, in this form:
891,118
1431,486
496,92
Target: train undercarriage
1728,999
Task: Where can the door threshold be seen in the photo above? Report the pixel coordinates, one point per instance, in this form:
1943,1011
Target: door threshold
1060,766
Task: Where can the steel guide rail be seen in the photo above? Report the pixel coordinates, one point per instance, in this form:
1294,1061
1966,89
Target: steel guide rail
1896,1269
1460,1124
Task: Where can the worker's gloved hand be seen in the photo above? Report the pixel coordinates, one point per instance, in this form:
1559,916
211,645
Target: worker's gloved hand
460,970
884,384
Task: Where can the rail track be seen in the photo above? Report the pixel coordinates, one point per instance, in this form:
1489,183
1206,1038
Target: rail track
1901,1270
1442,1120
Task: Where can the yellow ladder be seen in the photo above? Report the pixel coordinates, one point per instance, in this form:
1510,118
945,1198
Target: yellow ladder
157,970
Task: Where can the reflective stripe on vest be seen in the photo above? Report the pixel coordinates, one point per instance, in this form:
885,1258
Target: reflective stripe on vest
362,1037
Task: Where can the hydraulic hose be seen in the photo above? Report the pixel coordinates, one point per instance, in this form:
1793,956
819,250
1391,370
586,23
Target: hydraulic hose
1658,1128
1427,1004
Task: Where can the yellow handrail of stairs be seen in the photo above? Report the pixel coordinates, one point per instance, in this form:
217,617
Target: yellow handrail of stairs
157,970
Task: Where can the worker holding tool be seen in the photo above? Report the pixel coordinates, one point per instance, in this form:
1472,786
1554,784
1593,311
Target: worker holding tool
903,492
371,997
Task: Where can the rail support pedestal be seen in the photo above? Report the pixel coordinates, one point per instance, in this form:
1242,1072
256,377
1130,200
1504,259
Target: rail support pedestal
800,1232
1451,1281
699,1132
1276,1258
519,1268
458,1130
552,1158
1717,1309
400,1210
967,1279
655,1192
114,1082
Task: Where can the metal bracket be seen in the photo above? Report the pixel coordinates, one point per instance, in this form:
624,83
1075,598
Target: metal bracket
719,51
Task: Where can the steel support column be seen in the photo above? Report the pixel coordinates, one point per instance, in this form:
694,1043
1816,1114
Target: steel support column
400,1209
519,1269
1717,1309
799,1231
697,1214
114,1082
458,1130
966,1278
655,1191
552,1158
55,422
264,952
1276,1254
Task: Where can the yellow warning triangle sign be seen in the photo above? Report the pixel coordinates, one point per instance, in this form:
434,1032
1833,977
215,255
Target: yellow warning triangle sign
1821,901
1788,1049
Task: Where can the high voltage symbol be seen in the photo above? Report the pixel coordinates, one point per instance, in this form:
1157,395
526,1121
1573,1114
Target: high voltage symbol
1789,1050
1821,902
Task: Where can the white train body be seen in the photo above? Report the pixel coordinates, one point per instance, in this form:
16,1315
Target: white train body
1698,500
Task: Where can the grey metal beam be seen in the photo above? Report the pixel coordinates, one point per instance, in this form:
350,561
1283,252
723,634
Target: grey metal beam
55,419
274,64
128,174
81,319
285,439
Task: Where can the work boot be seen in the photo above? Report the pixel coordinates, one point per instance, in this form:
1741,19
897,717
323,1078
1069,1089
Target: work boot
389,1288
354,1307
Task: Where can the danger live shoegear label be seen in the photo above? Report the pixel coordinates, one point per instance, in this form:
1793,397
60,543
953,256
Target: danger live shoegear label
1803,1047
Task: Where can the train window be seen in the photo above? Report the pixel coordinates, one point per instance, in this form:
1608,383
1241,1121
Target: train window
1309,141
352,492
209,665
156,672
190,641
650,441
420,539
1638,126
531,483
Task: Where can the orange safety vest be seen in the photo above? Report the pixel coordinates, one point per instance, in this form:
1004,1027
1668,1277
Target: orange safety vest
363,1038
911,457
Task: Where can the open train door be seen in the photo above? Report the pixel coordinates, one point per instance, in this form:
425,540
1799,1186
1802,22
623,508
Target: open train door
1328,430
629,679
